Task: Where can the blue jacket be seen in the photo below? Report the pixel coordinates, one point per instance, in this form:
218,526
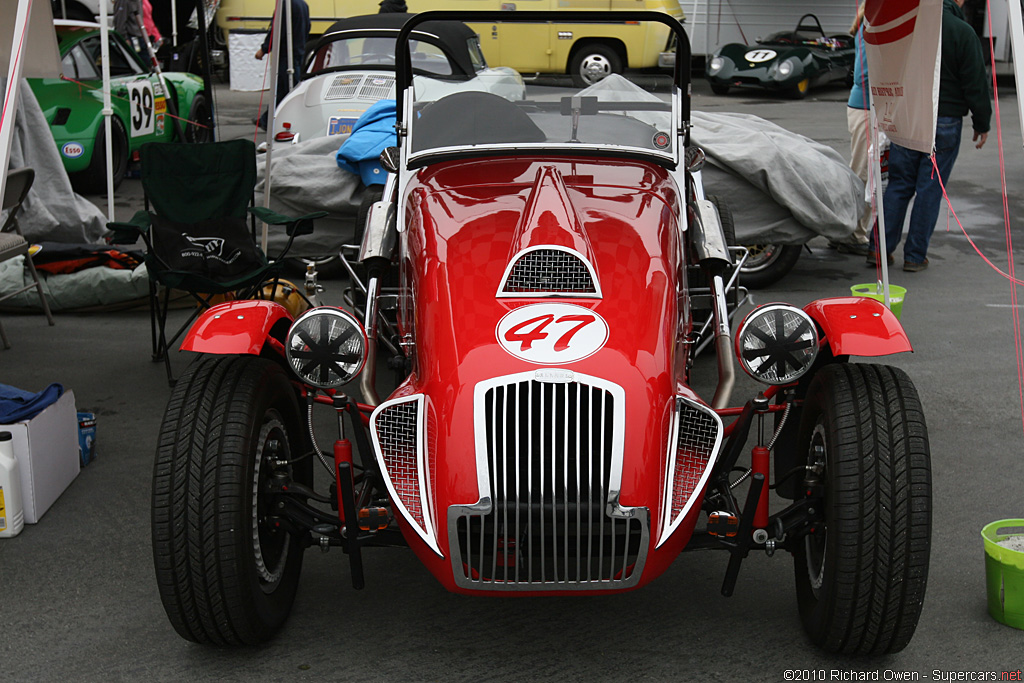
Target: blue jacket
859,98
374,131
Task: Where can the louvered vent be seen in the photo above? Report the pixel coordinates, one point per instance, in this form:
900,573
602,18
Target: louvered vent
343,88
377,87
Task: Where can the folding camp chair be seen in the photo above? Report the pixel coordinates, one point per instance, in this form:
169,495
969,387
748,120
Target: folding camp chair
196,236
13,243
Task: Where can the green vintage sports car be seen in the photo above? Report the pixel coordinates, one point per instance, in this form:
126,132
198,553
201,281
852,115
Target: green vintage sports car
143,111
791,62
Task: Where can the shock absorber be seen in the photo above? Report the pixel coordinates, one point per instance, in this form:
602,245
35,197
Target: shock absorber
760,463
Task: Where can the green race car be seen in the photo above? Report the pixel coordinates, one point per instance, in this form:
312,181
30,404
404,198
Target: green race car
142,110
790,62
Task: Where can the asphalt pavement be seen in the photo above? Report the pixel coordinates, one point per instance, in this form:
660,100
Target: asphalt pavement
78,597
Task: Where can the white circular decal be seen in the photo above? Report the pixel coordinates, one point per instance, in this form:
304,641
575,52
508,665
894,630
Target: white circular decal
72,150
757,56
551,333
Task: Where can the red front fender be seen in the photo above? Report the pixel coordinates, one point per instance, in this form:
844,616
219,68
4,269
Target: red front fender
858,326
235,327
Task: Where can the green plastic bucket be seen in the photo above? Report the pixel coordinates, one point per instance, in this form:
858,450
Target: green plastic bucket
874,291
1004,572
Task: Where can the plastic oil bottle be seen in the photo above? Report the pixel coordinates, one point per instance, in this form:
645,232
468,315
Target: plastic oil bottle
12,514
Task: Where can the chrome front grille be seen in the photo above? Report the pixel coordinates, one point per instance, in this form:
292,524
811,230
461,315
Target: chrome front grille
550,519
549,271
343,88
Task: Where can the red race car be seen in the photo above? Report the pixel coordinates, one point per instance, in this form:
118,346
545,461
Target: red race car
541,275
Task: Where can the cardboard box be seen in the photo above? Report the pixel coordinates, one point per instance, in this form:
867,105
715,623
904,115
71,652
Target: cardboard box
47,451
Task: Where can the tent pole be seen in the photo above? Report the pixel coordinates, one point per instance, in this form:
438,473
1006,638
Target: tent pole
876,175
10,106
1017,47
204,48
275,59
107,110
174,23
288,28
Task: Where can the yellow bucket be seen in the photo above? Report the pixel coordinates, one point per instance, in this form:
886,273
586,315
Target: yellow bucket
874,291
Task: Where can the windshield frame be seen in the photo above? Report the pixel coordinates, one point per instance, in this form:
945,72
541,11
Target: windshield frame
680,100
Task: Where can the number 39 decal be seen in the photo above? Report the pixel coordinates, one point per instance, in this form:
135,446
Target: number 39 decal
141,99
551,334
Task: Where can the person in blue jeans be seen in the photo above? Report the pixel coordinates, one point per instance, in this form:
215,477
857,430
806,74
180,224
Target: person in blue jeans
963,87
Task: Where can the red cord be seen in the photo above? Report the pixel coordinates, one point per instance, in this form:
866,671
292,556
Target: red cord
1011,274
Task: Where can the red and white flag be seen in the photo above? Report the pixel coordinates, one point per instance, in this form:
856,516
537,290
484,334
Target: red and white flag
903,42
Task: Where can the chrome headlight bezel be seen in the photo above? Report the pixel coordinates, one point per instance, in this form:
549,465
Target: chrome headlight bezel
334,363
774,338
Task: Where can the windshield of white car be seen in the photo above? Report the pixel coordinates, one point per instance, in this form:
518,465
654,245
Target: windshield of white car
375,51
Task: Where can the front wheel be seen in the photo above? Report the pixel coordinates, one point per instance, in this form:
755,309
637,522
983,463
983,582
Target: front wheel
719,88
226,571
768,263
592,63
799,91
861,573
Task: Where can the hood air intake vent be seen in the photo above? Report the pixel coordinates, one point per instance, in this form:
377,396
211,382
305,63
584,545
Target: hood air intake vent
549,271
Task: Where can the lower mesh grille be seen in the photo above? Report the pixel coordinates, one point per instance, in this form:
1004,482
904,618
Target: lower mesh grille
553,459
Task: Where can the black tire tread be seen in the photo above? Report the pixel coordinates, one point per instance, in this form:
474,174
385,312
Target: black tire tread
199,481
880,514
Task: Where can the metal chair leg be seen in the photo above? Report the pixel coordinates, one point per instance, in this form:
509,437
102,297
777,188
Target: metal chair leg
39,288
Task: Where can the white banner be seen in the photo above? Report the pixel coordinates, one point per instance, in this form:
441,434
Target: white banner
903,42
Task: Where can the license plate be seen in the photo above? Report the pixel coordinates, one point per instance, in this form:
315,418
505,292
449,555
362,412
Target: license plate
340,126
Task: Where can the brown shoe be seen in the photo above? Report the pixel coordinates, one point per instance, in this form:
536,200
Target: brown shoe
873,259
912,267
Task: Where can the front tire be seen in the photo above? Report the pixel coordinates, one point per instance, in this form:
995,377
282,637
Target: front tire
226,573
799,91
861,574
200,123
719,88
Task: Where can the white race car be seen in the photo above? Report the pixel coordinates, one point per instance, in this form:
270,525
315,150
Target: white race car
353,65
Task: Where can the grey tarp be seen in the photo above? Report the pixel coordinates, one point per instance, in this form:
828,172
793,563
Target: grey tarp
781,187
305,178
92,287
52,212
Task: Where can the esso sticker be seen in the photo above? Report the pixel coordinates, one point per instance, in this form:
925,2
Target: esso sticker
551,333
757,56
72,150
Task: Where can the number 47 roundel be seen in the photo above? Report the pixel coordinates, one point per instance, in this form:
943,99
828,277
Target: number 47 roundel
551,333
